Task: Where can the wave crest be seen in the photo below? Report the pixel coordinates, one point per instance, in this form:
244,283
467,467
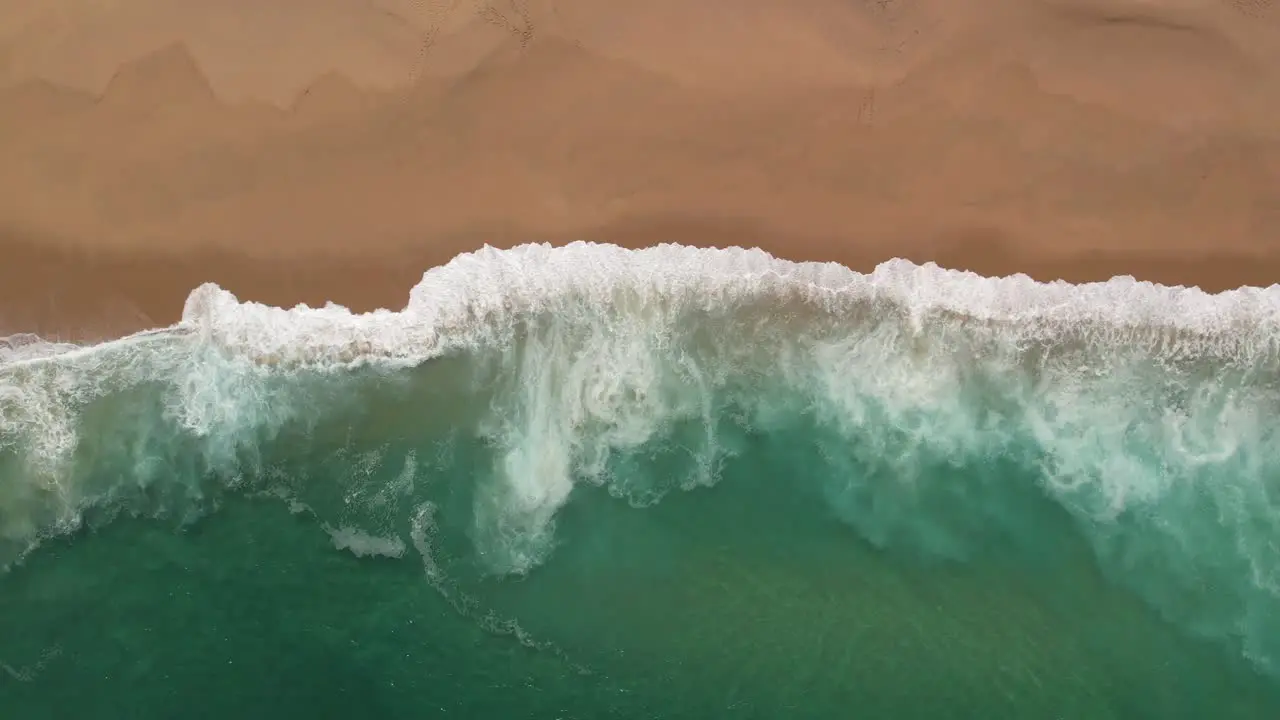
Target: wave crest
473,300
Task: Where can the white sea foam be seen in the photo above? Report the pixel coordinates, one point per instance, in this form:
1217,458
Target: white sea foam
456,305
363,544
606,377
592,351
466,302
611,379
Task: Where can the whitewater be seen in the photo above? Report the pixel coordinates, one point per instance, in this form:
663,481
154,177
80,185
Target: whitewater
941,418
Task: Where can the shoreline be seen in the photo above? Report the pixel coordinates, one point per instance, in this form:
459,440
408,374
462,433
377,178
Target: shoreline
76,295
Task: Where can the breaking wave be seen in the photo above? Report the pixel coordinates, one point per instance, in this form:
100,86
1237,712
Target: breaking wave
938,413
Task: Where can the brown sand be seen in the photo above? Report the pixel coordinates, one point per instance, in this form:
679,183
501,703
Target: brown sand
306,150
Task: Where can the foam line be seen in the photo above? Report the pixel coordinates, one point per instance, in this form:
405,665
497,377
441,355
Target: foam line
455,305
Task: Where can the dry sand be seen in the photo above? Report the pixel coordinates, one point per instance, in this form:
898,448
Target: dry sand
307,150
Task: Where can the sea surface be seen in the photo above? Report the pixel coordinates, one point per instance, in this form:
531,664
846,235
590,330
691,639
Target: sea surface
586,482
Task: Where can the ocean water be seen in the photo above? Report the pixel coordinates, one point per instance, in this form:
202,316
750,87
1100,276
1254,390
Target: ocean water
587,482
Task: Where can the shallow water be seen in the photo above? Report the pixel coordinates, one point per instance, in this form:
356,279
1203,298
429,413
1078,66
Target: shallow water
586,482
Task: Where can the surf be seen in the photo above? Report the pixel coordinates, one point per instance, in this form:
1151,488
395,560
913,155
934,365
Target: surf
942,417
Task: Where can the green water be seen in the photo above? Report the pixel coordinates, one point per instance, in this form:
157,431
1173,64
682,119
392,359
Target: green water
650,503
254,614
749,598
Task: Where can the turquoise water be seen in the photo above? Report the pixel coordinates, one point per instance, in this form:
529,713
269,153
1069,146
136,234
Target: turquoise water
586,482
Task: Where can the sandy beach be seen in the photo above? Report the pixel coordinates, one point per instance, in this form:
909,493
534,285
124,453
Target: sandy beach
334,149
